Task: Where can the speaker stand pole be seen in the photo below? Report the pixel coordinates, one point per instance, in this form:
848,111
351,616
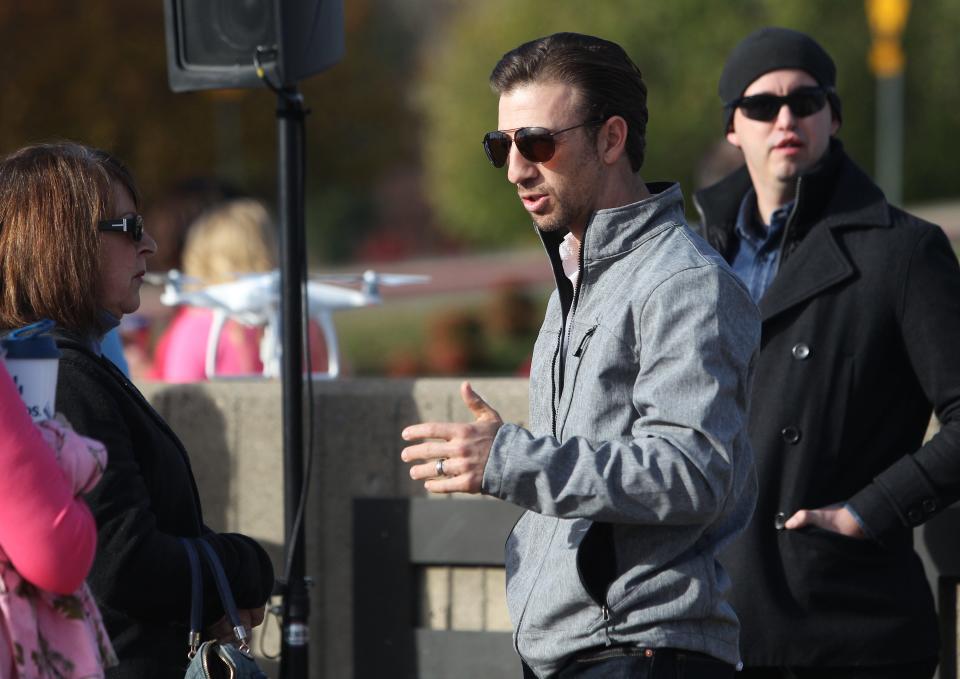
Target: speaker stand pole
291,163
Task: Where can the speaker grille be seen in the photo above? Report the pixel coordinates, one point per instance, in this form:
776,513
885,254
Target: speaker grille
225,33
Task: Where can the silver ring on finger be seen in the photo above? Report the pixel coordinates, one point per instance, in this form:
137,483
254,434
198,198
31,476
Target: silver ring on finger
439,467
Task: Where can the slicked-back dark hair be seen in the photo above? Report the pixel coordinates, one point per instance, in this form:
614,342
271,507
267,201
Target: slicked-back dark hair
600,70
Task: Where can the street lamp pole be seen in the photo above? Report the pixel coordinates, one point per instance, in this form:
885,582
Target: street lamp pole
887,19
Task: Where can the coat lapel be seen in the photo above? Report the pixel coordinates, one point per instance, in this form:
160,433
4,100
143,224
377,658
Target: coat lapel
817,264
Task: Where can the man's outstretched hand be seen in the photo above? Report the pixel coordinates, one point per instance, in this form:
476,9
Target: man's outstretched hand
463,447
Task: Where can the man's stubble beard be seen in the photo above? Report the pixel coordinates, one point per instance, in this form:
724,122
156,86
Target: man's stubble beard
558,221
566,212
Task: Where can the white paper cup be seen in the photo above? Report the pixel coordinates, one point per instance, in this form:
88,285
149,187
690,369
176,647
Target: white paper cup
36,380
32,359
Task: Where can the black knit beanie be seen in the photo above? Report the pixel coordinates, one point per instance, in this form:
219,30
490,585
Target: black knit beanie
773,49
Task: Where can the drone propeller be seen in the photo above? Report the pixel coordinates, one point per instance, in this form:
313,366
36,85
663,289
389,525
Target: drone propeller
372,277
372,280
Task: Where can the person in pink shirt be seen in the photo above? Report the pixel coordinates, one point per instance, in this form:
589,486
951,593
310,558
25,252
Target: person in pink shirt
234,237
49,624
228,240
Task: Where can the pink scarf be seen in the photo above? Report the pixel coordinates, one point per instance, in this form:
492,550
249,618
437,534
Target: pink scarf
56,636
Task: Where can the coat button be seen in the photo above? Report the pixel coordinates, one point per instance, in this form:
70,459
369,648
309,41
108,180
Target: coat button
790,434
779,521
929,505
914,515
800,351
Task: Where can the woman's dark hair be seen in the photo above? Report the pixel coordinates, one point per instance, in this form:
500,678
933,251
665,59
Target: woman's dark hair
607,79
51,198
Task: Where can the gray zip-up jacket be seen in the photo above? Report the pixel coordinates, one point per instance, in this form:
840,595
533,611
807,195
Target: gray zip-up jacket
636,468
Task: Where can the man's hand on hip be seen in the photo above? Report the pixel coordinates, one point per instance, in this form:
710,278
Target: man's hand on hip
462,447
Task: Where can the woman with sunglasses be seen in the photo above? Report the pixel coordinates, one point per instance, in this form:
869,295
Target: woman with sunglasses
73,249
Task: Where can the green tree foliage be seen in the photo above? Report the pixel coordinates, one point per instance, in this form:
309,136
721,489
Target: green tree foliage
680,47
932,100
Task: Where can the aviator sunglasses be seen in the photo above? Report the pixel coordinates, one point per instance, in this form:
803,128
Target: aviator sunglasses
802,102
536,144
132,226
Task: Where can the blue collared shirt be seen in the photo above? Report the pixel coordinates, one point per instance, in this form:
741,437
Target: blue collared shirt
758,250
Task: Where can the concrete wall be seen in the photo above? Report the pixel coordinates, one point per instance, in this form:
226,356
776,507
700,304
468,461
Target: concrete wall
233,430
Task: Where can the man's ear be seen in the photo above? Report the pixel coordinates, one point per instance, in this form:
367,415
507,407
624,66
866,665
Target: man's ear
612,139
732,136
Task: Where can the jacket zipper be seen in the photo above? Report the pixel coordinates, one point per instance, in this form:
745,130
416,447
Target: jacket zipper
553,382
703,216
786,227
602,603
604,609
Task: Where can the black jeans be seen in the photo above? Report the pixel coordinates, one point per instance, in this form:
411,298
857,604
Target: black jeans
917,670
626,662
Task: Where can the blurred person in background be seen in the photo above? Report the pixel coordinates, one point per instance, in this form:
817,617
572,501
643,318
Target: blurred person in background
860,304
636,468
49,624
226,242
73,249
169,217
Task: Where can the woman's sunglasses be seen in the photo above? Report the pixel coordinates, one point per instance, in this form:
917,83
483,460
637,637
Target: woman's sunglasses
802,102
536,144
132,226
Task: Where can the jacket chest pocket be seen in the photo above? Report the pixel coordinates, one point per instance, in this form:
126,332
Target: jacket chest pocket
577,356
584,341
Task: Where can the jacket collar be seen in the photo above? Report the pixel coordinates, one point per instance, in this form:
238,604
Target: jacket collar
613,231
833,193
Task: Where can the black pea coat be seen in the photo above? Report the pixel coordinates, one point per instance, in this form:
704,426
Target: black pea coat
860,339
145,500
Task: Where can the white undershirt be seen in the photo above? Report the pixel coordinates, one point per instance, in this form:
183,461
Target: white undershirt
569,252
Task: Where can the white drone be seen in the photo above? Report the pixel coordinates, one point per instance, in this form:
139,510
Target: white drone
254,300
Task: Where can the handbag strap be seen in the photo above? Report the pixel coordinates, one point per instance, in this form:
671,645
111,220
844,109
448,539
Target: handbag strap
196,597
226,596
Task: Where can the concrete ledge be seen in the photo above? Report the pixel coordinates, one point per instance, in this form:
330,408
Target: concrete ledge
233,431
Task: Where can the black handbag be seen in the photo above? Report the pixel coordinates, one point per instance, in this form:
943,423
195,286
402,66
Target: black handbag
212,659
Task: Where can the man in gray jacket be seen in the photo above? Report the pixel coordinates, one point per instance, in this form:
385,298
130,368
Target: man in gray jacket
636,468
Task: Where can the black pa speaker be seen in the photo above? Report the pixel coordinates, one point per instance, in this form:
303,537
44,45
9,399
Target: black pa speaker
214,44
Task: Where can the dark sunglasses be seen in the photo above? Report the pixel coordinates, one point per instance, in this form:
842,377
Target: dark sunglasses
536,144
132,226
802,102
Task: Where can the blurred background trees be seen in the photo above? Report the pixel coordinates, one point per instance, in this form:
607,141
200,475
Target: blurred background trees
680,47
395,166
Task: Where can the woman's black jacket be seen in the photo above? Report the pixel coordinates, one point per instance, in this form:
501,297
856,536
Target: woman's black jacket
145,500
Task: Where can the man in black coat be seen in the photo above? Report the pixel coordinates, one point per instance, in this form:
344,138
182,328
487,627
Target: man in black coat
860,305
